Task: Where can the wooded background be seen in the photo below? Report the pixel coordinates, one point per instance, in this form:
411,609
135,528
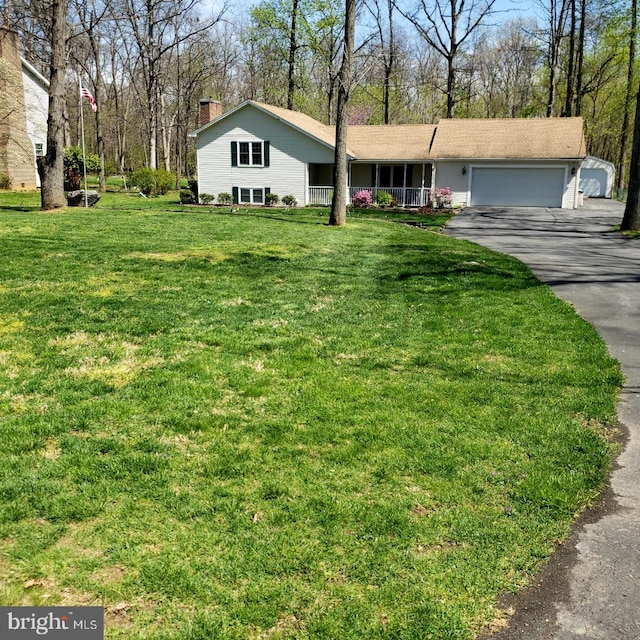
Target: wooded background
149,62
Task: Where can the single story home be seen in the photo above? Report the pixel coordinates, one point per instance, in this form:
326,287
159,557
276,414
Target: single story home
255,149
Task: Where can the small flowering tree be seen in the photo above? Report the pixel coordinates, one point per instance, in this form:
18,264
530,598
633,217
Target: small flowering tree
442,198
362,199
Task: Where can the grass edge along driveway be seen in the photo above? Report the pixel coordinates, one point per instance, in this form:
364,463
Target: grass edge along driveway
253,425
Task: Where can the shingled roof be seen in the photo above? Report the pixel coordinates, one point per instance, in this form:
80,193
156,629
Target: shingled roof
521,138
402,142
301,121
513,138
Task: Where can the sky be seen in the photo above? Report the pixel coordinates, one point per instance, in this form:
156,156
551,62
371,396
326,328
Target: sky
515,7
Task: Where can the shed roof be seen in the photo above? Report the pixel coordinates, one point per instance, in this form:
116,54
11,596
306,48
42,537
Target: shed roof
520,138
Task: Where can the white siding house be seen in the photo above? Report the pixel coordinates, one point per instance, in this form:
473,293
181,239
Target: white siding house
256,149
36,100
249,152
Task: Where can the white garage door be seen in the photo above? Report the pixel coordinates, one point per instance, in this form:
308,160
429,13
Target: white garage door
593,182
517,187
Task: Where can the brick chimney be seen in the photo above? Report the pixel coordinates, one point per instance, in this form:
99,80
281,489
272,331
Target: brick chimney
209,110
17,159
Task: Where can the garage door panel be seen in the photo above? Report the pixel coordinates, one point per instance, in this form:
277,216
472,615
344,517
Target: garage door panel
517,186
593,183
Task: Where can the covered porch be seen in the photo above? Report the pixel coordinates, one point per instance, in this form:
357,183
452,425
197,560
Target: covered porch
409,184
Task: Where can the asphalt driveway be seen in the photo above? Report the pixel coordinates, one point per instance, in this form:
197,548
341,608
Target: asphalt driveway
591,588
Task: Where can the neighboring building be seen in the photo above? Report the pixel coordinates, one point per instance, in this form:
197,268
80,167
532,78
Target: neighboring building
24,100
256,148
596,177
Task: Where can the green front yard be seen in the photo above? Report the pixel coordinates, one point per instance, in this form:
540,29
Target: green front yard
254,425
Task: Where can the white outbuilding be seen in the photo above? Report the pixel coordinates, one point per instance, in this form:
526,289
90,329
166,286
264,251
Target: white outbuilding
596,177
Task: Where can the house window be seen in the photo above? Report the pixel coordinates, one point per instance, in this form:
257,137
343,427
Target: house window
249,195
39,149
244,156
250,154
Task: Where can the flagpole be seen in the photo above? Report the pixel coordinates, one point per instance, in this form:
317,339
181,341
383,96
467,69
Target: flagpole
84,154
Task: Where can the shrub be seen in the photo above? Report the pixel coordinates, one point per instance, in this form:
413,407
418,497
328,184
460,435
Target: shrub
165,180
73,161
153,182
225,198
143,179
289,200
193,186
384,199
74,167
362,199
187,196
271,198
207,198
5,181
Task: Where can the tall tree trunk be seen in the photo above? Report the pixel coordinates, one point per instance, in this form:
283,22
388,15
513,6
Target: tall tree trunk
52,192
631,219
580,61
390,64
568,103
338,216
557,21
451,87
293,49
451,60
628,102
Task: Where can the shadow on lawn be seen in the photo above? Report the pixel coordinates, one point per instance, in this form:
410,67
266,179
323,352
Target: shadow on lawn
15,207
482,270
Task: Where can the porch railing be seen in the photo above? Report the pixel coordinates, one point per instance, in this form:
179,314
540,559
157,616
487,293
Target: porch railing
405,197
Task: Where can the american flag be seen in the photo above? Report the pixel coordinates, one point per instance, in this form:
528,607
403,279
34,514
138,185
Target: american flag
85,93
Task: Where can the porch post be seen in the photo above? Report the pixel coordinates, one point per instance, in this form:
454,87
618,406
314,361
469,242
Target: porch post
424,168
404,185
433,176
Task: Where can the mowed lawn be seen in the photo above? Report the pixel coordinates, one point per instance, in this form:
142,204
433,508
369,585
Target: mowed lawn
253,425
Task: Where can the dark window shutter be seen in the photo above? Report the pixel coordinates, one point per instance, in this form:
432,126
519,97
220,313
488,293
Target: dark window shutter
265,160
234,191
267,191
234,154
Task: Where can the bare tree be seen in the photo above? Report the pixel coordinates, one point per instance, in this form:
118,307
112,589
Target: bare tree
382,12
338,216
156,27
91,16
447,25
556,17
323,28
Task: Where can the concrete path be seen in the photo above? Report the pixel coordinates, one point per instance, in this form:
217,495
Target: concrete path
591,587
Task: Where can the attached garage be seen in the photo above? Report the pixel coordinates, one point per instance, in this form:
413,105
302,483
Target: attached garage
519,162
518,186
